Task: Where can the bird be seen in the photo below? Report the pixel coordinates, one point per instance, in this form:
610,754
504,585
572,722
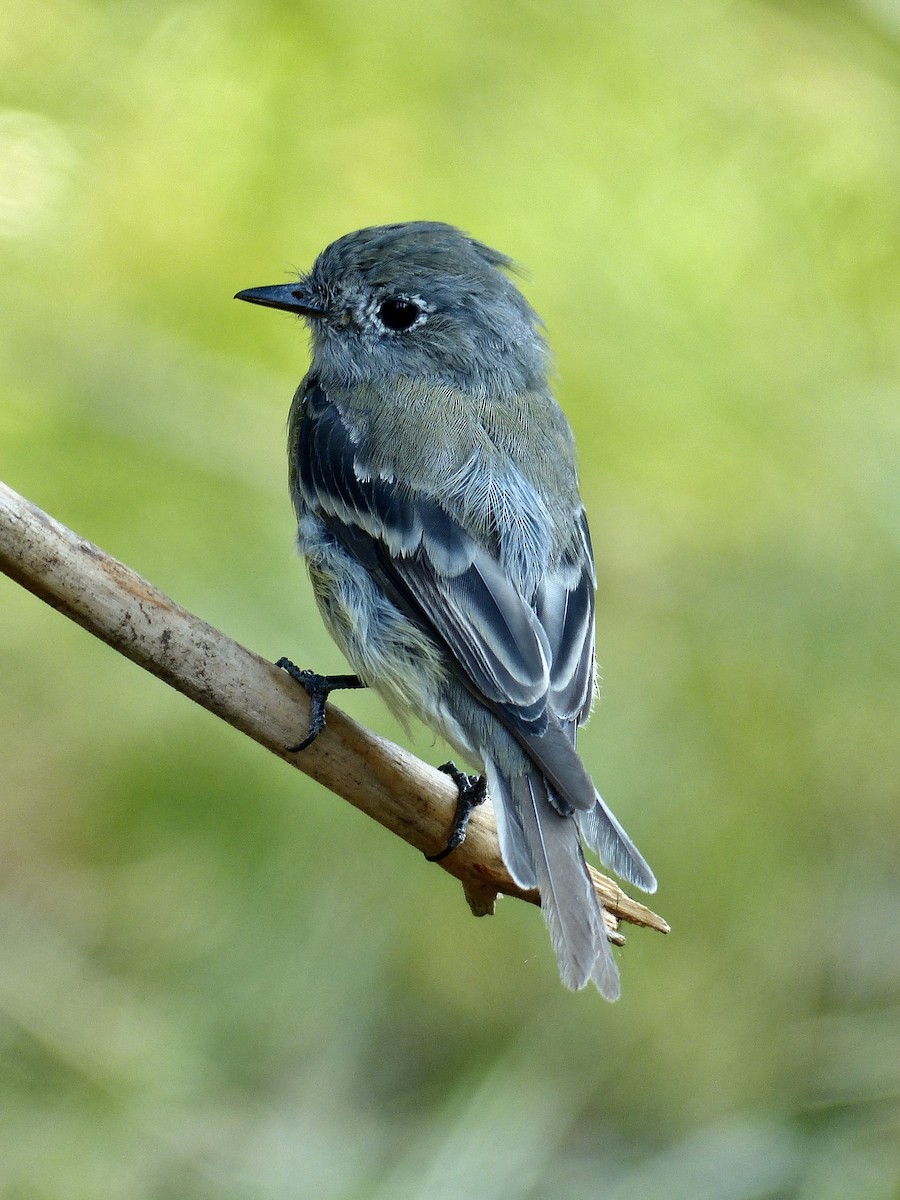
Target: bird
433,476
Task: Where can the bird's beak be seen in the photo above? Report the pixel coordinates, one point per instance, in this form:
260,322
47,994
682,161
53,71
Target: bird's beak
292,297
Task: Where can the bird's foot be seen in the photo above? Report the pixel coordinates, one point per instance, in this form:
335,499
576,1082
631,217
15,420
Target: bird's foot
472,792
318,688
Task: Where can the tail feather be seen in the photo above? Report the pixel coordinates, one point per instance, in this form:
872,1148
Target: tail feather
534,835
554,755
608,839
515,847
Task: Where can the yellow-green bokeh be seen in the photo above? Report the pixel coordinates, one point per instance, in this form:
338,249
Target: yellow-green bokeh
215,979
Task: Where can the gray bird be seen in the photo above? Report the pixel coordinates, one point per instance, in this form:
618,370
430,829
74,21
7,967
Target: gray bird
433,477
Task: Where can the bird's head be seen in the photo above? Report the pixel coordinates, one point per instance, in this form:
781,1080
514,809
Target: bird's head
421,300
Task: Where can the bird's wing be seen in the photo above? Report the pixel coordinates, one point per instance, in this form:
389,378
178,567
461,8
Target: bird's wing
565,608
517,660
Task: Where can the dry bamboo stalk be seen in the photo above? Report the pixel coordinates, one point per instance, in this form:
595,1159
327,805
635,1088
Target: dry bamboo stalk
395,788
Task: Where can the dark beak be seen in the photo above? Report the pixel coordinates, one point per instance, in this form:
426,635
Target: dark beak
292,297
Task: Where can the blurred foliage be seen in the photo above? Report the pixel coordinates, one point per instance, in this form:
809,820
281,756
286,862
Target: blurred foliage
215,979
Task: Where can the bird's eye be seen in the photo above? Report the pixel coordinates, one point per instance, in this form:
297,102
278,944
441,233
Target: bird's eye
398,313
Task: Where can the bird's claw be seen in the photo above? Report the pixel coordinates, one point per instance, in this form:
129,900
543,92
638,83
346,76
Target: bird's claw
472,791
318,688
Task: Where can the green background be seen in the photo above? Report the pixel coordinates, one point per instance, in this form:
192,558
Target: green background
217,980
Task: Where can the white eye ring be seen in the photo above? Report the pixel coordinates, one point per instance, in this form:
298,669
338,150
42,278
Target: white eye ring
400,314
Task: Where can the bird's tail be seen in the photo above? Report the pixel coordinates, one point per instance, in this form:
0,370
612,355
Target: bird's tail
542,849
553,753
606,837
